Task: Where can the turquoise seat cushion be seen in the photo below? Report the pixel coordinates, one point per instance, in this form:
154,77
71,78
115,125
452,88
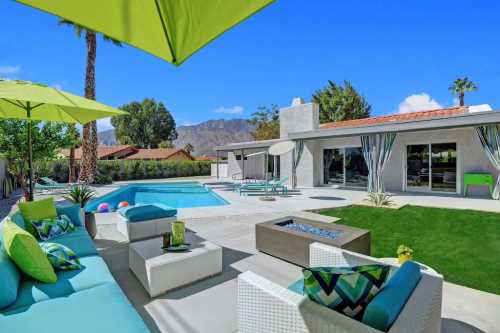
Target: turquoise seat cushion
10,278
94,273
18,219
347,290
101,309
297,287
71,211
79,241
146,212
385,307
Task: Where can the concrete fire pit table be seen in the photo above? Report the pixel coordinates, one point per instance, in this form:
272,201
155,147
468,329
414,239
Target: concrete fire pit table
289,237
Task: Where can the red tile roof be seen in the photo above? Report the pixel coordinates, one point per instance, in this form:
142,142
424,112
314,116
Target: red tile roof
400,117
102,151
156,154
206,158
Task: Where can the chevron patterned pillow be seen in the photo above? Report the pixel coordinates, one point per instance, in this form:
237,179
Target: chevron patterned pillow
48,229
60,256
347,290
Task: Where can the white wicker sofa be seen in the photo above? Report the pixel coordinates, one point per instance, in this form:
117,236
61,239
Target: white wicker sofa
265,307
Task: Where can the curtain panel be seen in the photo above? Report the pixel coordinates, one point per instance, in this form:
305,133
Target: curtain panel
377,149
297,154
490,140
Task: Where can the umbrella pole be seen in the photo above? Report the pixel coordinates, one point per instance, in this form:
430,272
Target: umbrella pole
30,152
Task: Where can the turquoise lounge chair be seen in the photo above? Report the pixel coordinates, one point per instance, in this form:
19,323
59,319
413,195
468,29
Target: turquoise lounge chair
272,186
50,185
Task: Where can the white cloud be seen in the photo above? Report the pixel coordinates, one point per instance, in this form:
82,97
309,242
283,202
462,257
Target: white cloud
6,70
229,110
418,102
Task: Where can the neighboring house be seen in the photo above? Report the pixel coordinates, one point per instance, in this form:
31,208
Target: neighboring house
431,152
129,152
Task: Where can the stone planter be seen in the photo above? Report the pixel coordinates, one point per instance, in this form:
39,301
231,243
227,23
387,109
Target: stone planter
90,224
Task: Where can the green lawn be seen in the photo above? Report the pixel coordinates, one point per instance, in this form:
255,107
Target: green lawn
463,245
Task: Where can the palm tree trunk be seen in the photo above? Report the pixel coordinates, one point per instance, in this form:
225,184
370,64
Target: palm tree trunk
88,162
462,99
71,170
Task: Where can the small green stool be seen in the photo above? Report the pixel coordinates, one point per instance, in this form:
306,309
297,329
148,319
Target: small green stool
478,178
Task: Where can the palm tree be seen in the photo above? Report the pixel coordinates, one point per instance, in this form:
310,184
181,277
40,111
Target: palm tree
89,142
460,86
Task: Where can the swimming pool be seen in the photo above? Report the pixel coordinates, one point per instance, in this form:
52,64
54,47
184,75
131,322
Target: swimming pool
177,195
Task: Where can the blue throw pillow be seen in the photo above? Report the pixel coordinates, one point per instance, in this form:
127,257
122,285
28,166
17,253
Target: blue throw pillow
60,256
384,309
48,229
18,219
10,279
347,290
71,211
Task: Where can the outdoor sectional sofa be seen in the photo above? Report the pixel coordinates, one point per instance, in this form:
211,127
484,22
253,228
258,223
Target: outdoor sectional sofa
264,306
86,300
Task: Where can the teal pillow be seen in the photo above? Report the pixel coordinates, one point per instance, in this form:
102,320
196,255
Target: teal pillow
18,219
73,212
10,279
347,290
48,229
61,257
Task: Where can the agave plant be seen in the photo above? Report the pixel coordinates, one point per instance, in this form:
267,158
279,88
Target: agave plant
80,194
379,199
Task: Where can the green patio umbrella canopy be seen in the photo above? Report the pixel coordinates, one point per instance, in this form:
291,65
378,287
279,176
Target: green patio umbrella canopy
170,29
32,101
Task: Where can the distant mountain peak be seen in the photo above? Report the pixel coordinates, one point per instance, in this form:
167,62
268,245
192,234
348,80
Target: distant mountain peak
203,136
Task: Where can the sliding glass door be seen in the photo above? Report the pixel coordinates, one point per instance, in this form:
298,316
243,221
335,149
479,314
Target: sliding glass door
431,167
344,166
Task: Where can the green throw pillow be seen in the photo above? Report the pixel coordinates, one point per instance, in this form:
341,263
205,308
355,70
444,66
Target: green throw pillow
347,290
60,256
24,250
37,210
48,229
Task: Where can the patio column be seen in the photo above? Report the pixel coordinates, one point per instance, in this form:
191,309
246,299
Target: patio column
217,164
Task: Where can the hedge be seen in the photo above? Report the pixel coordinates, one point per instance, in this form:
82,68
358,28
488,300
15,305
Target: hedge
111,170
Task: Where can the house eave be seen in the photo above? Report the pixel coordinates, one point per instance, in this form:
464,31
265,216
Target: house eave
261,144
436,123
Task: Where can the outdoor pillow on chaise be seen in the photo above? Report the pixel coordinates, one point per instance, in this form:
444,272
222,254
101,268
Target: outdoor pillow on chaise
71,211
79,241
94,273
388,303
146,212
103,308
37,210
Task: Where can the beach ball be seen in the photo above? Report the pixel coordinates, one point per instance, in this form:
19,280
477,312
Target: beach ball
103,208
123,204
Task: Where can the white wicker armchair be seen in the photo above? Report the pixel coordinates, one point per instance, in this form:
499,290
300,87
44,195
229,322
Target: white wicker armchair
265,307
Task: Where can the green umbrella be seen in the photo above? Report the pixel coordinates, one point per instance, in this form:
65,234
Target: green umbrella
170,29
31,101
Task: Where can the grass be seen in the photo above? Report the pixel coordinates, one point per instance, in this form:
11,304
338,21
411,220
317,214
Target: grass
462,245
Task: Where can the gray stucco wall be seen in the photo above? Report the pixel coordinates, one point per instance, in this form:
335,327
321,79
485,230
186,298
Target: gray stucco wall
471,157
254,165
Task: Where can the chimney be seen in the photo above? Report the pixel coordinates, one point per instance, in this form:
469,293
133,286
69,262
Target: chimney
297,101
299,117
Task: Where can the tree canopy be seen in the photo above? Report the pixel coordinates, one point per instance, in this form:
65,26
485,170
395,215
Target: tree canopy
146,125
267,123
460,86
340,102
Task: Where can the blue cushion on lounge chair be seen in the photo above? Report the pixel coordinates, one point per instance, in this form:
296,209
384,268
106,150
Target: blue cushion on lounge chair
18,219
100,309
10,279
145,212
79,241
71,211
385,307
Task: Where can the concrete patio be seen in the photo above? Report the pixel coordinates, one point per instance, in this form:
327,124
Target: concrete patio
210,305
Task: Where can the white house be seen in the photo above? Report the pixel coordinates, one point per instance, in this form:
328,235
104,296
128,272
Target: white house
431,151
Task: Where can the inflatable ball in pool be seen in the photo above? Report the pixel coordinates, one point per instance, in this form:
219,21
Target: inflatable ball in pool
123,204
103,208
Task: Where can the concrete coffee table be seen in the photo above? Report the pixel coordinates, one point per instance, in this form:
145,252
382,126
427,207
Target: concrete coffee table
160,271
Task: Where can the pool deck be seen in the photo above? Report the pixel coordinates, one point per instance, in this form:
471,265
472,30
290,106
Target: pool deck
193,308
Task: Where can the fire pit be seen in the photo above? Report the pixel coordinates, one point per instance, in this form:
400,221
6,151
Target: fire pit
289,237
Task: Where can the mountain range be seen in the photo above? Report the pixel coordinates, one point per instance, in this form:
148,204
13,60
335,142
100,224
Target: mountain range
203,136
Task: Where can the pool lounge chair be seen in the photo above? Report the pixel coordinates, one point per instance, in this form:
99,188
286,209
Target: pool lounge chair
264,306
54,187
272,187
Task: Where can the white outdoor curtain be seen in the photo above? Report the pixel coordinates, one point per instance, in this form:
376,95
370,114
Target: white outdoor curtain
490,140
377,149
297,154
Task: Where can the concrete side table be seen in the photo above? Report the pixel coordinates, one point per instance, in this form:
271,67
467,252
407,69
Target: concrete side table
160,271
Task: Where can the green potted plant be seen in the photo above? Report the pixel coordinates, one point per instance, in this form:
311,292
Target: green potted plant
404,253
82,194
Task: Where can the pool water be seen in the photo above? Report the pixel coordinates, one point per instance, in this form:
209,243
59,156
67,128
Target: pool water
177,195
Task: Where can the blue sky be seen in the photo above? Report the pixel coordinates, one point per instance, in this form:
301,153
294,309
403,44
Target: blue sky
393,52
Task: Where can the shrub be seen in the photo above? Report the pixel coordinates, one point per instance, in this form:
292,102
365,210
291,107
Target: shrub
103,179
